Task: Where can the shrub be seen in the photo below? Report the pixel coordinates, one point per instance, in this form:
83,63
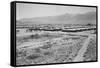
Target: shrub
36,36
37,50
47,53
48,45
33,56
20,53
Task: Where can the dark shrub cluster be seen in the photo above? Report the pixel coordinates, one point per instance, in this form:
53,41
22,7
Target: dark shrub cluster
33,56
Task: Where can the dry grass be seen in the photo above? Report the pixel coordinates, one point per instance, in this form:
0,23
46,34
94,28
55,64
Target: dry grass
52,52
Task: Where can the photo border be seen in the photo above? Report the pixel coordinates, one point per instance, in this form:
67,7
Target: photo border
13,32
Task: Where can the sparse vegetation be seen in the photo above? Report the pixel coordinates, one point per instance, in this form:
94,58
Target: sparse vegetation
33,56
53,47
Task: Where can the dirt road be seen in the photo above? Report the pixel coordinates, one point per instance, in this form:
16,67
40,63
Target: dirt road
81,52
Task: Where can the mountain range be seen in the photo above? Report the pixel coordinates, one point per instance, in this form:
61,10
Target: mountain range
89,17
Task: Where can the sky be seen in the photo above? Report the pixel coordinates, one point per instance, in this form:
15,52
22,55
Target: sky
25,10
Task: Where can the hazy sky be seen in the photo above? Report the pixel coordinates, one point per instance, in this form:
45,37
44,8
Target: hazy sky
38,10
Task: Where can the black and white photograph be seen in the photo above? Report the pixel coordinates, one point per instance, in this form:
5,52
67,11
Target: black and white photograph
48,33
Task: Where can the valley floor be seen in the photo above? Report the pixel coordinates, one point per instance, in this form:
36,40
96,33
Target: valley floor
44,48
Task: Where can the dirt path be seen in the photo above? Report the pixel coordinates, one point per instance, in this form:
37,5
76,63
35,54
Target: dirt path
81,52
